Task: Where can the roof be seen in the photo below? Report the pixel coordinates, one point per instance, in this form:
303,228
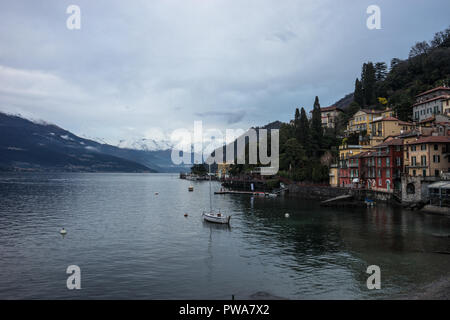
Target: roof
442,97
330,108
432,139
370,111
440,185
432,90
427,119
391,142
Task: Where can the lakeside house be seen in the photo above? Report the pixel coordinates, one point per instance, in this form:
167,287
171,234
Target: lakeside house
428,156
362,120
431,102
398,157
329,116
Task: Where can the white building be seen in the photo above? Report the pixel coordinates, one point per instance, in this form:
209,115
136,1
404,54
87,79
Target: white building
431,102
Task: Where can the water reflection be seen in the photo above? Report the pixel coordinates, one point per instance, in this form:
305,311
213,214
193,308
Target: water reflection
139,245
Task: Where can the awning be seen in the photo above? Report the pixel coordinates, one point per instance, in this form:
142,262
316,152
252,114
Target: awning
440,185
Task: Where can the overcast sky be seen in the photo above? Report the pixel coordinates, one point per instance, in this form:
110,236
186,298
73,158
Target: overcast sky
144,68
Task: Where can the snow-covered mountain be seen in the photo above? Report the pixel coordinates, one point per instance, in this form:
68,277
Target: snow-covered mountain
145,144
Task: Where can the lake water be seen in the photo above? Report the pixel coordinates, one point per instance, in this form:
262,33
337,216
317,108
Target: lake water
131,243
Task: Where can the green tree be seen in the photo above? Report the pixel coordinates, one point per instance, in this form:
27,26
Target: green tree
358,95
316,128
302,132
368,80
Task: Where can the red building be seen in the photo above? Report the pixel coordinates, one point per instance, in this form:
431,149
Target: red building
378,170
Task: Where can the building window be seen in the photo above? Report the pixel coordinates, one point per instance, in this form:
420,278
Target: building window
413,148
414,173
399,161
379,162
379,173
379,182
388,162
423,147
436,173
436,147
413,161
410,189
436,158
423,160
388,173
424,173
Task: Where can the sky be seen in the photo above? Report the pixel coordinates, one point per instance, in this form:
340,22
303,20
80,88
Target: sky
146,68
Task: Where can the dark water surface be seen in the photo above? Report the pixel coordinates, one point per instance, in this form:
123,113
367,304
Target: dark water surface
130,243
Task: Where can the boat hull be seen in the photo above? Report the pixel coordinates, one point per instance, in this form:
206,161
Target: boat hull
215,219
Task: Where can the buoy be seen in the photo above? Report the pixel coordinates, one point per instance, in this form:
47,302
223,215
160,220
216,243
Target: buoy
186,215
156,193
63,231
286,215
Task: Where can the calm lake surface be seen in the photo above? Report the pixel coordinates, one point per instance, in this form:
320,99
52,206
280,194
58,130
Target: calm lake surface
131,243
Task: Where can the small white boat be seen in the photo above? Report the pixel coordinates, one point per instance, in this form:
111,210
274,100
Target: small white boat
211,216
271,195
216,217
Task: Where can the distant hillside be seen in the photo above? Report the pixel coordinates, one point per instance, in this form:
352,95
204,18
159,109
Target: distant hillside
345,102
26,145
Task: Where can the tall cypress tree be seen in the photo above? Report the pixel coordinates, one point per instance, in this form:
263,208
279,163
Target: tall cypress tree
368,79
358,95
316,127
303,130
296,119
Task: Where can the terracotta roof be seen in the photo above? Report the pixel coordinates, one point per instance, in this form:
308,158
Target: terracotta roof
386,119
432,90
405,123
432,99
427,119
373,111
391,142
330,108
432,139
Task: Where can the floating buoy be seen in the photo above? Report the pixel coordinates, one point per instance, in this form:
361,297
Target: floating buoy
186,215
63,231
286,215
156,193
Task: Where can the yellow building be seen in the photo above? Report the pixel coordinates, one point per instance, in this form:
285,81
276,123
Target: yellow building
361,121
381,128
346,150
334,178
428,156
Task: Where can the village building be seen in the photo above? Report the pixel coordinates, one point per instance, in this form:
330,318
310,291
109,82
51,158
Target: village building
329,116
430,103
388,126
428,156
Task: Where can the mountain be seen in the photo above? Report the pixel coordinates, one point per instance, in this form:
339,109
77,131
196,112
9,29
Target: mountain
145,144
28,145
345,102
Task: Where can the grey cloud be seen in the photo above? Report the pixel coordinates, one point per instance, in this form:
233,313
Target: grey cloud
171,62
229,117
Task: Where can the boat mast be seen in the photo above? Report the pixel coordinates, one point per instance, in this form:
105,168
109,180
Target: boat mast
210,199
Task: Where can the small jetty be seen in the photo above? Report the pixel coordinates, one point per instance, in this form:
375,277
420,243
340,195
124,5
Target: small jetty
252,193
